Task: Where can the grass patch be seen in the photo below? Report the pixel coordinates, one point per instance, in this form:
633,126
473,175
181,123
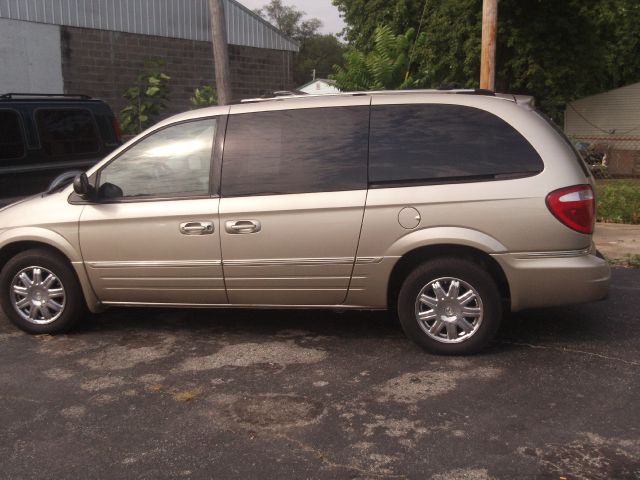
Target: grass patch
618,201
628,261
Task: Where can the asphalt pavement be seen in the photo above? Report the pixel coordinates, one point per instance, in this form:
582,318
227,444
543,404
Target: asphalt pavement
148,393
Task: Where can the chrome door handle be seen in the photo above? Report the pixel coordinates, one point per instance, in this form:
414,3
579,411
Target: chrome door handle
242,226
196,228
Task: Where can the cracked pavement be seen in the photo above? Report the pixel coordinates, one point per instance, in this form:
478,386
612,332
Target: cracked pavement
149,393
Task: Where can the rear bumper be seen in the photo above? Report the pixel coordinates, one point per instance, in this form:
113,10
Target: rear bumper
545,281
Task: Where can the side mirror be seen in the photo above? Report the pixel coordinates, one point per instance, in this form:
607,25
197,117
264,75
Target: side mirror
63,180
82,186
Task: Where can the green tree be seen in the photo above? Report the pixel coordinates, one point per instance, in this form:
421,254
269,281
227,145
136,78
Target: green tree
146,99
386,66
555,50
289,20
317,52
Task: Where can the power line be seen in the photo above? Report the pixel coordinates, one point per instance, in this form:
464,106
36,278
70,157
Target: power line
608,132
415,40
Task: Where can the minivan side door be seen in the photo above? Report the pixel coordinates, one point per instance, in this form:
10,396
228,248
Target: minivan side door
294,186
152,237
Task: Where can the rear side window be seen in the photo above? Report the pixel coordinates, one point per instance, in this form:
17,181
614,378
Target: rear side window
296,151
433,142
11,142
67,131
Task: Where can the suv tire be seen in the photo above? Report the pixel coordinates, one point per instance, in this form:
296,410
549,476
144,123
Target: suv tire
450,306
39,292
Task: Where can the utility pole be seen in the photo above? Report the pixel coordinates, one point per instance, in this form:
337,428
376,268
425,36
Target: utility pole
488,55
220,51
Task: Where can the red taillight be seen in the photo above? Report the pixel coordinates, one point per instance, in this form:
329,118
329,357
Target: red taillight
116,129
574,206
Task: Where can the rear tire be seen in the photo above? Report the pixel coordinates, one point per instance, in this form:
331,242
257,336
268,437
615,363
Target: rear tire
39,292
450,306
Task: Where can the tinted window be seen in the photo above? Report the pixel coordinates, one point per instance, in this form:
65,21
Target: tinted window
11,144
173,162
296,151
67,131
427,142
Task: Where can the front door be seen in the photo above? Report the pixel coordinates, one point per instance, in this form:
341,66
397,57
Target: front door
293,194
152,237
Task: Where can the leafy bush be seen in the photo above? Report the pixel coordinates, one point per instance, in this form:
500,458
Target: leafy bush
618,201
387,66
146,99
204,97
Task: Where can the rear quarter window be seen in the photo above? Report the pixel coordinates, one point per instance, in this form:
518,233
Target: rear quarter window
576,153
67,132
440,143
11,138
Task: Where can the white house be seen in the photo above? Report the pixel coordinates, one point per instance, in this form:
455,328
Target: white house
610,120
319,86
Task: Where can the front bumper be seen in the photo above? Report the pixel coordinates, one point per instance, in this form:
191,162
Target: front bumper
546,281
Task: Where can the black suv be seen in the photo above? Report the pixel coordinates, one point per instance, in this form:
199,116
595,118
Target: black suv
43,135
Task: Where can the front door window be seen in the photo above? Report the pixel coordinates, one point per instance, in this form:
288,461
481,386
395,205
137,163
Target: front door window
172,162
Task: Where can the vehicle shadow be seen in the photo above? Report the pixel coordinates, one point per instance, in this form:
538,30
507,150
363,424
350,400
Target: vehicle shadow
261,322
561,325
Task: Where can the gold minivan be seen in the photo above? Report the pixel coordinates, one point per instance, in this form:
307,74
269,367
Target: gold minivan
448,207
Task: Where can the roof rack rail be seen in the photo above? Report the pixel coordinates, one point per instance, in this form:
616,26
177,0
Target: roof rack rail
447,89
8,96
455,87
276,94
479,91
282,93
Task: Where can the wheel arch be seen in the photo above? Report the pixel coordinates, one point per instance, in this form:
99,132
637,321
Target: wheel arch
408,261
56,244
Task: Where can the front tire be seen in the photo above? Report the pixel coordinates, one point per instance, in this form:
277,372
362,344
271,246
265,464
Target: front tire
39,292
450,306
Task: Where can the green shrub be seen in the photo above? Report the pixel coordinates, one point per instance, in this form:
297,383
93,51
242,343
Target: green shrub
618,201
146,99
204,97
630,260
387,66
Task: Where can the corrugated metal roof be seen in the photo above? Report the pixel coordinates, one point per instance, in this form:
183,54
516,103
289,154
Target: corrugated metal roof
187,19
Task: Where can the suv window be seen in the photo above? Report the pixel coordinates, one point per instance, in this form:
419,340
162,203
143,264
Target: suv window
172,162
67,131
296,151
435,142
11,142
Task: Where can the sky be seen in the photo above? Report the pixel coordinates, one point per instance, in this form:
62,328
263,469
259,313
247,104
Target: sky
322,9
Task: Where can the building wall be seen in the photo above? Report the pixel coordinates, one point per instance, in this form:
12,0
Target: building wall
611,121
29,57
615,113
104,64
187,19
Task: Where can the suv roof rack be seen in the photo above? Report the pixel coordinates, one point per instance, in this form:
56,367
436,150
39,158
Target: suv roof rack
80,96
445,89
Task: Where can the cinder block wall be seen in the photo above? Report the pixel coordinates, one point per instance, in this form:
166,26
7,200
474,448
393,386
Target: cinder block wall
104,64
